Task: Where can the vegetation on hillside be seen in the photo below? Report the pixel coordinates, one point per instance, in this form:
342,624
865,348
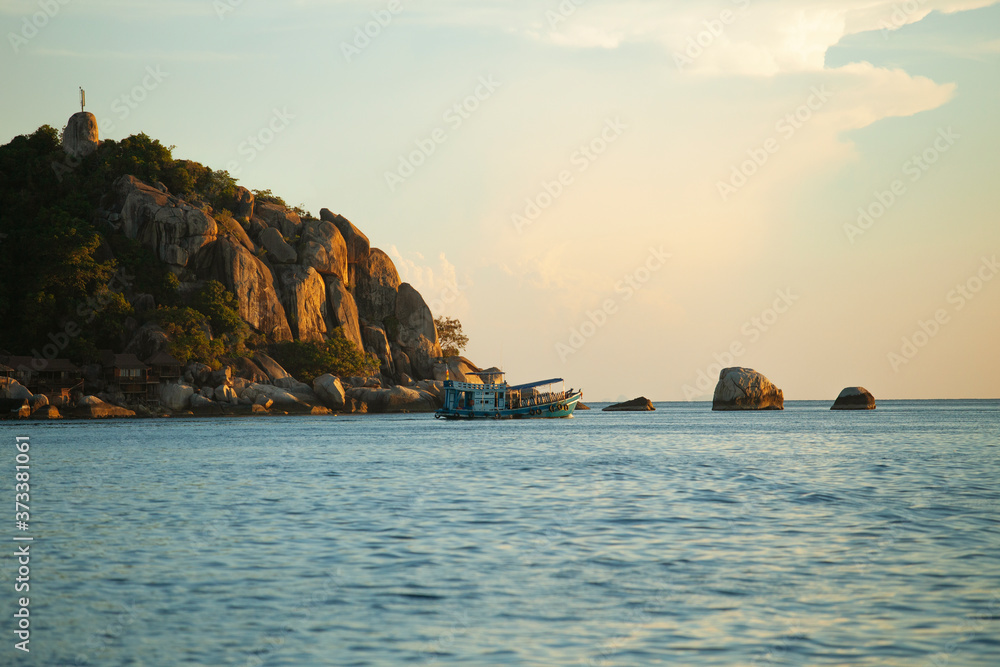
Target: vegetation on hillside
67,279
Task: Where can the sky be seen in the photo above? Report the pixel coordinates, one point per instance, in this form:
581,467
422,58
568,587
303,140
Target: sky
630,195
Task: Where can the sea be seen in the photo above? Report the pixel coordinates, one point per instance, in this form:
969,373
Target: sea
677,537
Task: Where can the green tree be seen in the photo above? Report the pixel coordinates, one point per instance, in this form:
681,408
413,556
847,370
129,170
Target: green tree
338,356
453,341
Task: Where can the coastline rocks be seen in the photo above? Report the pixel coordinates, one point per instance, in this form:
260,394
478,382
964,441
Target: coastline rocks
343,310
172,228
330,391
277,395
81,136
393,400
278,251
641,404
278,217
176,397
376,286
14,390
746,389
457,368
226,394
303,295
854,398
323,248
251,281
292,385
356,242
270,366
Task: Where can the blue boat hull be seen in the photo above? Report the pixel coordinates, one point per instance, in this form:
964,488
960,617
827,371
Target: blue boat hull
558,410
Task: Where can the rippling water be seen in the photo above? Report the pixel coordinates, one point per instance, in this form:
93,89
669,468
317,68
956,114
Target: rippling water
677,537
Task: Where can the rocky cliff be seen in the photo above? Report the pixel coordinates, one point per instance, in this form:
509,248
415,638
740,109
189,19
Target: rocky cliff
294,278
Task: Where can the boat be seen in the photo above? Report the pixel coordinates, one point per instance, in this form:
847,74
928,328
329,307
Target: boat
495,399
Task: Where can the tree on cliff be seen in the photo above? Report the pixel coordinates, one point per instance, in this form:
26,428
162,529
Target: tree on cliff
453,341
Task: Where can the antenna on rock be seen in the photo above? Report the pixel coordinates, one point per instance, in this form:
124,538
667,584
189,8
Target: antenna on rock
83,99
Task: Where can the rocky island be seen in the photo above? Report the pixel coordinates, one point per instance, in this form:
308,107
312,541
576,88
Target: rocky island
169,289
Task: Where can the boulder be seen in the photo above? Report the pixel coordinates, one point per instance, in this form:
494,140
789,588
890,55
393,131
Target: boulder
176,397
278,217
746,389
251,281
143,303
343,311
323,248
278,396
377,282
415,318
357,243
207,392
248,370
147,341
258,409
101,410
226,394
223,376
270,366
581,406
393,400
244,204
236,232
199,373
458,369
264,402
320,410
89,401
278,251
641,404
81,136
52,412
854,398
198,401
303,295
172,228
292,385
377,344
15,390
330,391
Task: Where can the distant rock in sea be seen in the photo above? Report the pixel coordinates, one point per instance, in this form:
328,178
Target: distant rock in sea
746,389
854,398
582,406
641,404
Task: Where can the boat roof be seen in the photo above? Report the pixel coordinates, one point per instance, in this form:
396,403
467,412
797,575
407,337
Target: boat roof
532,385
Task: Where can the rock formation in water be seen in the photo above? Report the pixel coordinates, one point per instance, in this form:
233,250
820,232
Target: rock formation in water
854,398
641,404
746,389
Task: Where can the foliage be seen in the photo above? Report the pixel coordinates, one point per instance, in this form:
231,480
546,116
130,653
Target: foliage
268,197
338,356
61,268
453,341
190,334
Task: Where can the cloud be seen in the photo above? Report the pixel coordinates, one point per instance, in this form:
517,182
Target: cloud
742,37
443,290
